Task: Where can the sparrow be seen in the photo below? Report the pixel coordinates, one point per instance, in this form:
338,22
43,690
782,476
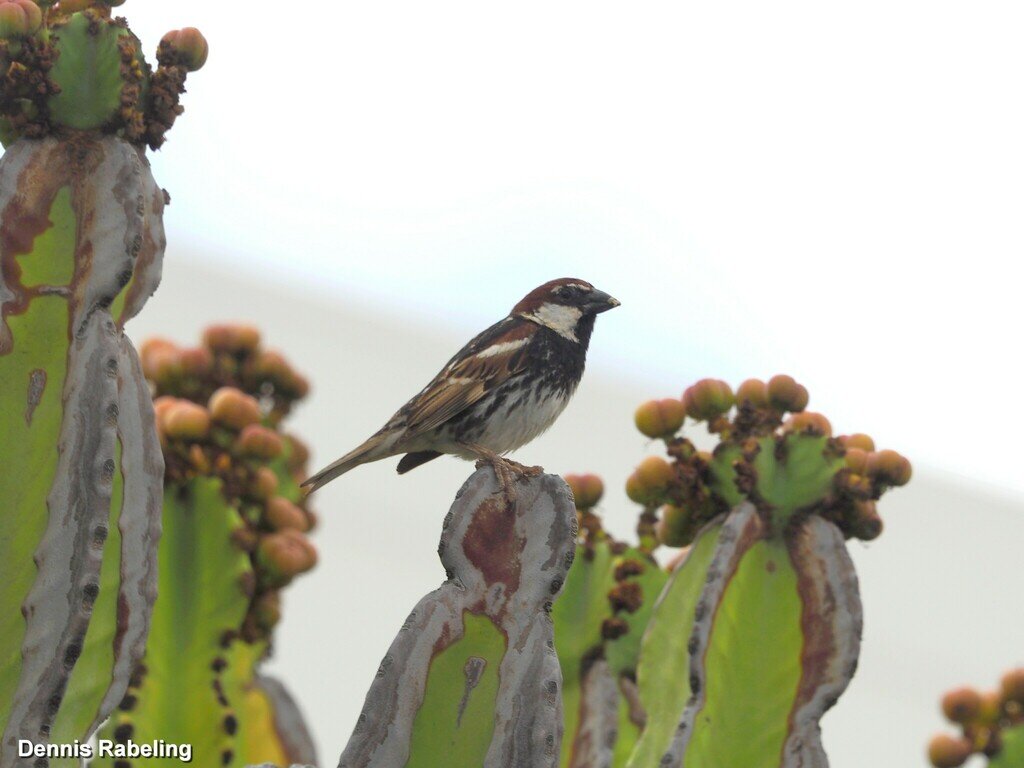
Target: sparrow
500,391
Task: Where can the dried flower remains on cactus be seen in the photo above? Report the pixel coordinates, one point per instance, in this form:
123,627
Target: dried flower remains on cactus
72,65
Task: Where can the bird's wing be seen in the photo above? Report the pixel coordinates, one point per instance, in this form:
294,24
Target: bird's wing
488,361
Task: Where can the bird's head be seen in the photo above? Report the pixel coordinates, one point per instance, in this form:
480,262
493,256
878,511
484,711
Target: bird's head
566,306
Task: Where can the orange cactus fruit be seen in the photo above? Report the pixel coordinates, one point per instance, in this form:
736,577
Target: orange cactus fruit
259,442
889,467
19,18
265,484
231,338
962,705
234,409
857,460
656,473
587,489
196,362
948,751
161,359
754,392
707,399
184,420
282,513
807,422
675,526
785,394
858,440
286,553
660,418
191,46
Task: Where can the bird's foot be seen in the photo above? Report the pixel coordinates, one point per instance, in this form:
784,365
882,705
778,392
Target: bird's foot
508,473
506,477
524,471
506,470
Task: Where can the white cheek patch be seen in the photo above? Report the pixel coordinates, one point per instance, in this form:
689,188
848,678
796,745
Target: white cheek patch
502,348
559,318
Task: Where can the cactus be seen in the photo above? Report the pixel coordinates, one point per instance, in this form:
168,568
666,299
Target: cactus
756,631
991,724
81,251
472,677
234,534
599,621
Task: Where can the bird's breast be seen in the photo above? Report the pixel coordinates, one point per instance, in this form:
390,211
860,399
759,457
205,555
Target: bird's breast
512,416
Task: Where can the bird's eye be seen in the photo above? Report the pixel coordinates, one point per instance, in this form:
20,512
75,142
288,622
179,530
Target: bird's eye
566,292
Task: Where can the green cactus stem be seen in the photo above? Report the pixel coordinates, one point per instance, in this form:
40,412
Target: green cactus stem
767,596
81,245
203,582
1011,751
801,592
733,656
81,220
472,677
600,619
234,535
663,673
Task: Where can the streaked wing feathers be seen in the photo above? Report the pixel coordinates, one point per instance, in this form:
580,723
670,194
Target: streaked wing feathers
468,378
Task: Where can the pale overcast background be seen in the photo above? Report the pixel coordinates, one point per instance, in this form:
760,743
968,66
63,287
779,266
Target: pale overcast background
830,190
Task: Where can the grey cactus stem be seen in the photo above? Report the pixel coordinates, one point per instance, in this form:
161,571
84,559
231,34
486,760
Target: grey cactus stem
117,208
507,566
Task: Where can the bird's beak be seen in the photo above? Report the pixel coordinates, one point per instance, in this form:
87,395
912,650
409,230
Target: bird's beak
599,301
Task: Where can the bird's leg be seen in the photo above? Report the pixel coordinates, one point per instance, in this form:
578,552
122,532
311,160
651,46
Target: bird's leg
504,470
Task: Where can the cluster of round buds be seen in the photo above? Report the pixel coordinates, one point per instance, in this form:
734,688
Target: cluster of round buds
226,439
982,716
117,94
866,475
693,487
762,405
230,356
680,488
19,18
884,469
234,435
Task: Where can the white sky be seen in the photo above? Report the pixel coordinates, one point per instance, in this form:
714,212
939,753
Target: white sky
833,190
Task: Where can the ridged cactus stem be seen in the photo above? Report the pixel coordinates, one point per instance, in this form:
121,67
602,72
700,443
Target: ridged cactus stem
81,245
472,677
733,655
235,530
82,239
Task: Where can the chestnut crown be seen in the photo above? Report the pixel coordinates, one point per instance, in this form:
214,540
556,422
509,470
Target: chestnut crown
566,292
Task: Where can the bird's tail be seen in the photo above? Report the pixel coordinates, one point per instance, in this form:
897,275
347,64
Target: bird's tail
373,449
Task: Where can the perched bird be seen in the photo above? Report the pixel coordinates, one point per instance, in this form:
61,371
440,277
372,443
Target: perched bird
503,389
